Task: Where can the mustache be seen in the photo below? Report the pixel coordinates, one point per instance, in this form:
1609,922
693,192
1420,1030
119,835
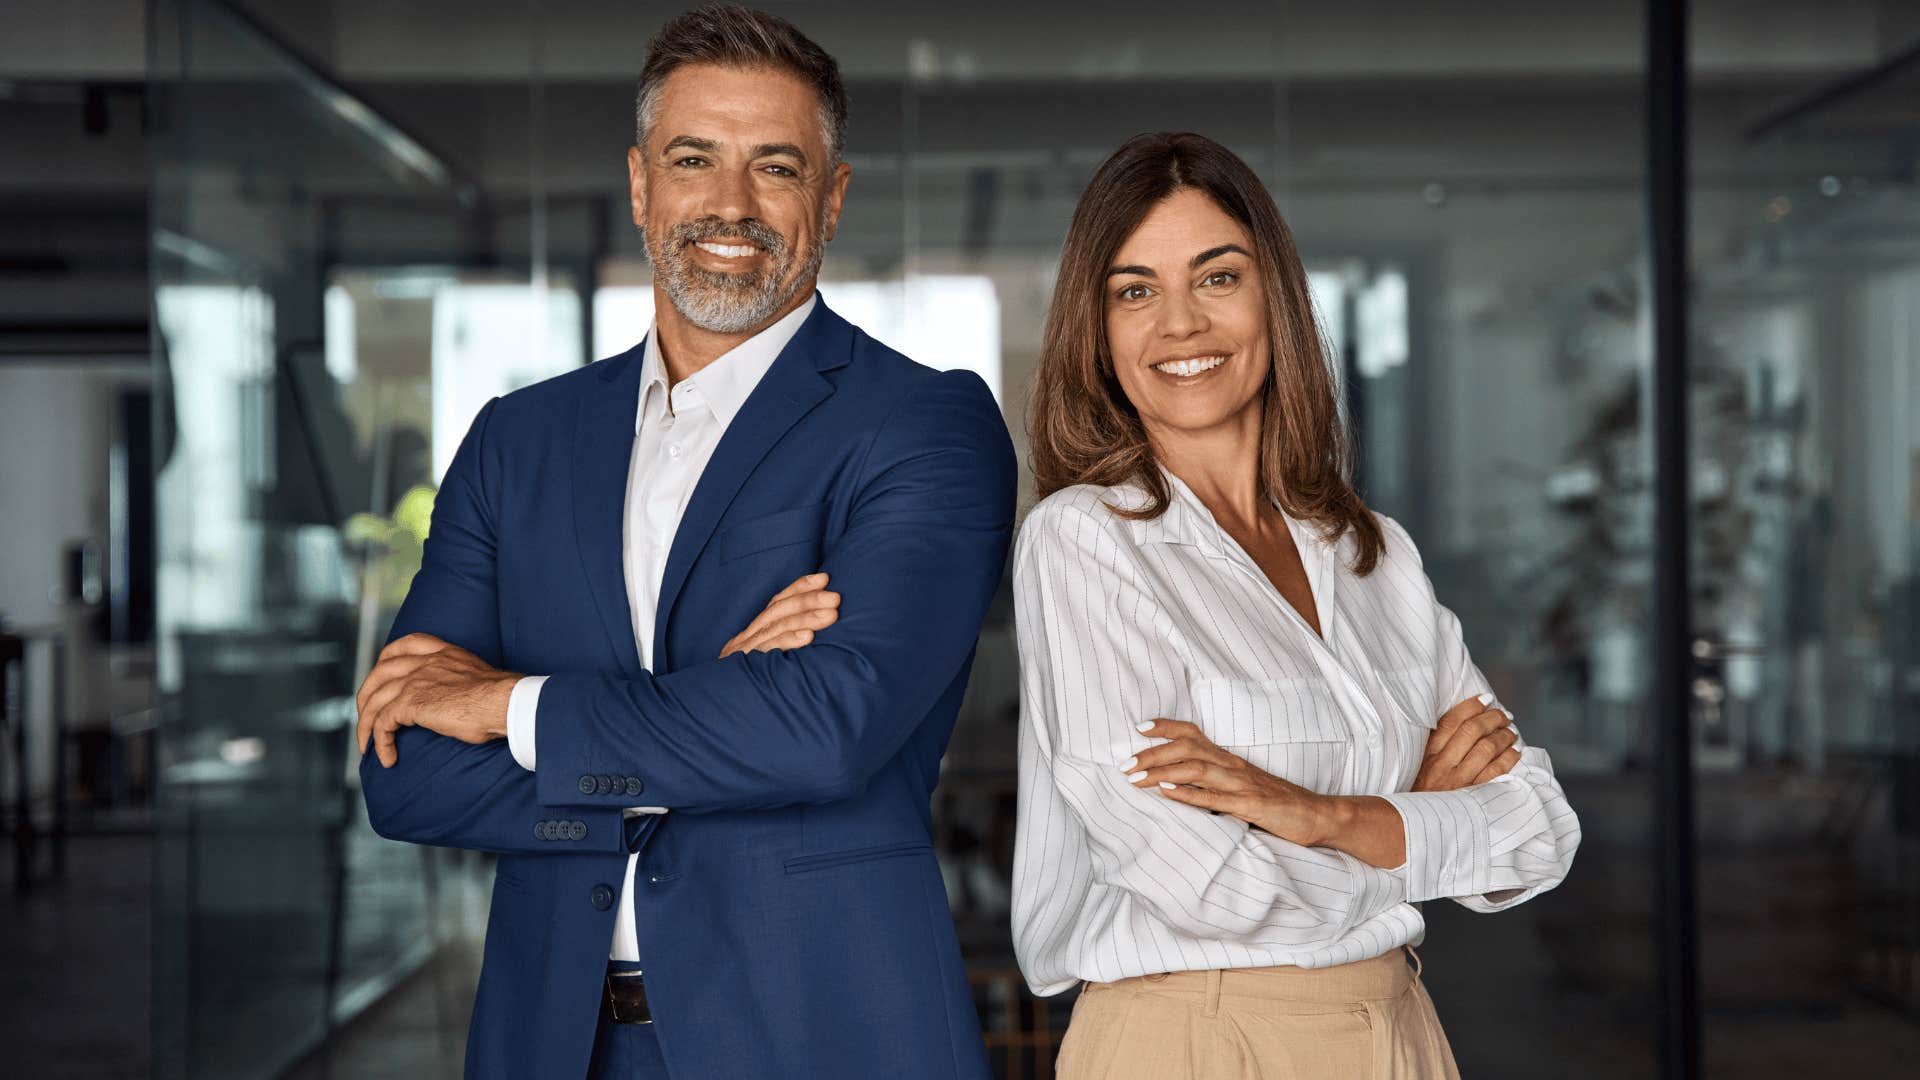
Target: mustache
714,228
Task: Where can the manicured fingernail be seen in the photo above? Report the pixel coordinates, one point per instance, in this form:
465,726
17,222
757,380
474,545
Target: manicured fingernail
1137,777
1167,785
1148,726
1509,713
1486,699
1127,765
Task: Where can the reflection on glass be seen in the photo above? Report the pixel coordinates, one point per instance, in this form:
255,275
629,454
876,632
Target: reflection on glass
1805,461
312,408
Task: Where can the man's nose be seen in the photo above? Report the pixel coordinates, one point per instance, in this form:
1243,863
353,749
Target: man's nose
731,197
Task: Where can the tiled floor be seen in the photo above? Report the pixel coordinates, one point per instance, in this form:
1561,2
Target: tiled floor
417,1032
76,998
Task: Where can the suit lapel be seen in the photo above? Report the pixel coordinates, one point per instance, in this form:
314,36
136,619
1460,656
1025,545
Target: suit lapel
602,453
789,390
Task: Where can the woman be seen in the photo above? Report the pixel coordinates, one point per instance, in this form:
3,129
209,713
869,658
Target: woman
1251,739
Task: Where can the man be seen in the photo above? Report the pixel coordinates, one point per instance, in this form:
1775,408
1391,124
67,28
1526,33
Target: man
714,842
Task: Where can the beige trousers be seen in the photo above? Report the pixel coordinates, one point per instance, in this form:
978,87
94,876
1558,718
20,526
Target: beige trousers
1370,1020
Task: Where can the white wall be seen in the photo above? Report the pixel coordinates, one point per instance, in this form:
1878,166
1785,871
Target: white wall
56,426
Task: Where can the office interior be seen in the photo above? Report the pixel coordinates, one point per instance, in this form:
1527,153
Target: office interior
261,262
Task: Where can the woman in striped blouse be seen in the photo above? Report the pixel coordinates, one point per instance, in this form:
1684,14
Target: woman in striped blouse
1252,741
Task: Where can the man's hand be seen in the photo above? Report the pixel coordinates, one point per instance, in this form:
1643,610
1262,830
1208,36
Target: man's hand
422,680
1471,744
790,619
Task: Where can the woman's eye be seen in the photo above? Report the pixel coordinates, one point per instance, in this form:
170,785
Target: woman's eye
1220,279
1135,291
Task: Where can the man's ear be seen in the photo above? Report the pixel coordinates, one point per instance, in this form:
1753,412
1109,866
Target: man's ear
637,185
836,194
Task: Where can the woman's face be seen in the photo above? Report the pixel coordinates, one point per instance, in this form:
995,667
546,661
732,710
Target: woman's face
1187,317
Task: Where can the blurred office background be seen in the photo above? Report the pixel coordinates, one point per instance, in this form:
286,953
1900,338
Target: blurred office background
262,261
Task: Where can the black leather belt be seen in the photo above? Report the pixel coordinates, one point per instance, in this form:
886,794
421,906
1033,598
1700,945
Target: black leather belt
623,1000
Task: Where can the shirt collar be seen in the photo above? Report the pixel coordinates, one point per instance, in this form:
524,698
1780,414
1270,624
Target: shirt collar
730,378
1188,521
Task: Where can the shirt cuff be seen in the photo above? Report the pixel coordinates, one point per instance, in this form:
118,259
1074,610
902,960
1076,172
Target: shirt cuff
523,704
1448,851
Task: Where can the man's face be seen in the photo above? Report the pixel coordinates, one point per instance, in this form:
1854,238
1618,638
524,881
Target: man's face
735,193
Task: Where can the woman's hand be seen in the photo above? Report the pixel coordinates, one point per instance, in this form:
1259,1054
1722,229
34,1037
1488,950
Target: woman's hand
1189,768
790,619
1471,744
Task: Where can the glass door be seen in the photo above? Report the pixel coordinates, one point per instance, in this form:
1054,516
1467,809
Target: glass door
1804,408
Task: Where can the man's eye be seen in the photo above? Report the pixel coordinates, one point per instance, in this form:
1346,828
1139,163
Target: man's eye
689,162
781,170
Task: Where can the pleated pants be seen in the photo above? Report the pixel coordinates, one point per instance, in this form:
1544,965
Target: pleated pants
1370,1020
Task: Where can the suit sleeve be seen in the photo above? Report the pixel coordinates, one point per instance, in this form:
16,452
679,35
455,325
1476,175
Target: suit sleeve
916,568
443,791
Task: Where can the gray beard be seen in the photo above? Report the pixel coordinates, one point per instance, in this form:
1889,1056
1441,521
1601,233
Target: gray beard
724,303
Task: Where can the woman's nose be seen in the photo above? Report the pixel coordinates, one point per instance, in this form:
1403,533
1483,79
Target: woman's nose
1180,317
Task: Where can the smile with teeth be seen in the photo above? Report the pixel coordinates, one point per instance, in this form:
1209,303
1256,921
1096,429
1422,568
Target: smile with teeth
728,251
1192,366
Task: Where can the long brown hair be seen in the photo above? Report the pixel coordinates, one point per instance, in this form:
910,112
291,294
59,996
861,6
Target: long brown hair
1085,431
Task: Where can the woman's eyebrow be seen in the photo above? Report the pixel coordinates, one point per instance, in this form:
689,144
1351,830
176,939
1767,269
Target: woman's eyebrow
1216,252
1141,270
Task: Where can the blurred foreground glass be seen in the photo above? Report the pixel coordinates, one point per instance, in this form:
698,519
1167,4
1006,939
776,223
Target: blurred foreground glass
308,411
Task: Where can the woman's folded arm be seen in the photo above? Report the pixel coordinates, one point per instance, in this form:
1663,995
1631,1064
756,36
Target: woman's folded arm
1095,664
1492,845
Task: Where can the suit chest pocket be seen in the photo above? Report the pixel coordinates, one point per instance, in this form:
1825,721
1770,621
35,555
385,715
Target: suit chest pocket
793,533
1292,728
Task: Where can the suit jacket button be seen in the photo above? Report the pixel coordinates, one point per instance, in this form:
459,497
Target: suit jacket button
543,830
576,830
603,785
602,897
586,785
634,786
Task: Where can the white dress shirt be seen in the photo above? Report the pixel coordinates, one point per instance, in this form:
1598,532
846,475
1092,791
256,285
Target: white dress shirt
1123,621
674,435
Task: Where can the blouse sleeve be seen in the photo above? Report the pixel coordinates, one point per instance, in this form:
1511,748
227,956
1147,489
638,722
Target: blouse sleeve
1496,844
1095,661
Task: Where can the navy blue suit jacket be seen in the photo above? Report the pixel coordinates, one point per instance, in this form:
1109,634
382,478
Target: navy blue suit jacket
791,916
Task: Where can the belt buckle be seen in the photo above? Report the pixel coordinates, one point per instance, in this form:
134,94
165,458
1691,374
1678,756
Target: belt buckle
613,1003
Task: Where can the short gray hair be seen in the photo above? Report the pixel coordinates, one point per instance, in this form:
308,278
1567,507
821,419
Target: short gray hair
735,36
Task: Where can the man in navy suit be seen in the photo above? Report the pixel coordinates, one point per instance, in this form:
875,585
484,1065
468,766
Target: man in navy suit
714,842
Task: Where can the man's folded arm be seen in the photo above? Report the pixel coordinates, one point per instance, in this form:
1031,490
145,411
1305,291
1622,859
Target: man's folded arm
916,570
443,791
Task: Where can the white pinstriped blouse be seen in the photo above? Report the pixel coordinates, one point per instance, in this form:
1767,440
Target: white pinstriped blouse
1120,622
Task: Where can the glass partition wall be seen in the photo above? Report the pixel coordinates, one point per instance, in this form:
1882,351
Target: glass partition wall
338,292
307,411
1474,245
1804,397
